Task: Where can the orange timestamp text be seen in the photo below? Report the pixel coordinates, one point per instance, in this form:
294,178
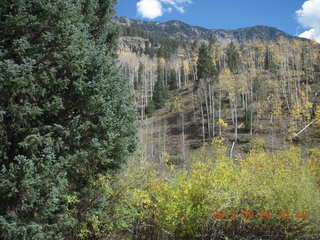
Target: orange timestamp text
264,214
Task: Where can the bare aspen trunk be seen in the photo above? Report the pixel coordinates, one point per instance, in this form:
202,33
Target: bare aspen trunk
220,127
213,110
285,95
210,109
184,76
183,139
193,106
165,136
208,113
236,119
231,150
202,118
179,78
251,109
232,110
151,140
272,130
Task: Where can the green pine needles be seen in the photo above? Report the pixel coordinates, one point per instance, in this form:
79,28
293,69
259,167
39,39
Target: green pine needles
66,116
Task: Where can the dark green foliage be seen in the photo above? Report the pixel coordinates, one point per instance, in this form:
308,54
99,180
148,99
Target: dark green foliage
138,82
160,92
250,116
205,67
64,117
246,147
172,80
206,70
269,62
175,160
233,58
243,138
150,108
182,74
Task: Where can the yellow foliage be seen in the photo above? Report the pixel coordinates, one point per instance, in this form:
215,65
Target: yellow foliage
317,113
222,123
261,181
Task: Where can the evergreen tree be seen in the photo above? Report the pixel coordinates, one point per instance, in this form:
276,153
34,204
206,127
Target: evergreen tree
172,80
64,119
160,92
233,61
269,62
150,108
205,67
182,73
233,58
138,82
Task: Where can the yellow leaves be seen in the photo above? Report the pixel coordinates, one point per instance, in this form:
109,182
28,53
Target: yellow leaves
95,222
226,73
317,113
308,105
162,61
171,167
222,123
262,180
314,162
218,141
72,199
258,144
295,111
165,156
147,202
84,232
95,227
140,196
178,104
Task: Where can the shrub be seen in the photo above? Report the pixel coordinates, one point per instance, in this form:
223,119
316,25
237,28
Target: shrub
268,185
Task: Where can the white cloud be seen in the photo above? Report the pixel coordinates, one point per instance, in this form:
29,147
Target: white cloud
309,17
149,8
177,4
311,34
155,8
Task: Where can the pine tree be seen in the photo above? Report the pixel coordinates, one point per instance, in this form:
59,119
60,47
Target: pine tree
172,80
160,91
233,58
205,68
64,117
137,84
160,94
233,61
269,62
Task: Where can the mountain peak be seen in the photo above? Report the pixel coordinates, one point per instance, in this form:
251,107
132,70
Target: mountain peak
182,31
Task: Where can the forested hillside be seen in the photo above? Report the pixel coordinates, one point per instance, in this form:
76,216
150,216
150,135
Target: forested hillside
119,129
203,89
229,132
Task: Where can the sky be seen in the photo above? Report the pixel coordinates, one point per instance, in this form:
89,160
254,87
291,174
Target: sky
296,17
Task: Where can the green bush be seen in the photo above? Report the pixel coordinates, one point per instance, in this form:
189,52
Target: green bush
183,205
242,138
246,147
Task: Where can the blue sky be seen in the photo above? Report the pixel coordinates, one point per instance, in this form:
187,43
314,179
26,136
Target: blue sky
292,16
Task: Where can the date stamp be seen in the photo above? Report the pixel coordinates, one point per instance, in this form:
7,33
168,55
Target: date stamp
264,214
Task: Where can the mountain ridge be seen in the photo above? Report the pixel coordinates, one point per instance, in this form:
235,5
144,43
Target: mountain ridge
180,30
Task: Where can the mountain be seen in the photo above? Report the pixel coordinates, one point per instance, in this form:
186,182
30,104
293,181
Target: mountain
278,79
181,31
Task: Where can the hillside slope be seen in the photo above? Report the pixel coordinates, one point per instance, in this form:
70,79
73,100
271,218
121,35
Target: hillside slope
277,86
